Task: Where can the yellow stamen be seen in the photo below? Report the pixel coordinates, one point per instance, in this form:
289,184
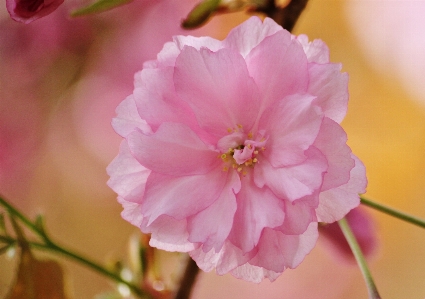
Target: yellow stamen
255,160
250,135
239,126
239,169
223,156
225,168
255,152
230,130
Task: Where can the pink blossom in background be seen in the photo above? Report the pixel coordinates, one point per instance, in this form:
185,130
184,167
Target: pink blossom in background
363,229
27,11
233,151
30,85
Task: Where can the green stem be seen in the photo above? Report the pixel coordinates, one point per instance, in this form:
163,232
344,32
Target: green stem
393,212
361,261
53,247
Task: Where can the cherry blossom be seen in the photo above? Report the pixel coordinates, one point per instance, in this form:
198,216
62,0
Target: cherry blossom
233,150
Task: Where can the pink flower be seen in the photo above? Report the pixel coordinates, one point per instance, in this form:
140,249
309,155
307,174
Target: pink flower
233,151
26,11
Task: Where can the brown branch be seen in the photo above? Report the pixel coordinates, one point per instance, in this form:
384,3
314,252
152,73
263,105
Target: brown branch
287,16
188,280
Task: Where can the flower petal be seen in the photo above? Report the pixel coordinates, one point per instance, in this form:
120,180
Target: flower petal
157,101
250,33
299,214
330,86
316,51
331,141
279,68
217,87
127,176
292,126
204,227
292,182
336,203
277,251
169,234
182,196
127,119
227,259
257,209
174,149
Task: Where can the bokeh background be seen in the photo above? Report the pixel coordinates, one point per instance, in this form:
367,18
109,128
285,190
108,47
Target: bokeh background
60,81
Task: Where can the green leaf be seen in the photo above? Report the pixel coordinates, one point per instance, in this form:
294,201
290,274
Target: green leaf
40,224
200,14
98,6
2,224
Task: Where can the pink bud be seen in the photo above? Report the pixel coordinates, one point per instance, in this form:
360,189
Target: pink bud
26,11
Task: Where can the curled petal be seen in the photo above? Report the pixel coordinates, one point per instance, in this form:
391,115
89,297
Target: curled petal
218,88
174,149
331,89
127,119
128,177
293,182
253,215
292,125
316,51
335,203
249,34
169,234
204,227
181,196
331,141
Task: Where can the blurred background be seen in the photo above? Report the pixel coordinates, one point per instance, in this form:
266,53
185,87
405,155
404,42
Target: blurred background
61,79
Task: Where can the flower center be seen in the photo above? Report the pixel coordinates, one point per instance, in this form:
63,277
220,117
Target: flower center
242,150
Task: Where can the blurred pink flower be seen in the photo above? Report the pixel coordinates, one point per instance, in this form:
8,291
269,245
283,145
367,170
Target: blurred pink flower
27,11
233,150
363,228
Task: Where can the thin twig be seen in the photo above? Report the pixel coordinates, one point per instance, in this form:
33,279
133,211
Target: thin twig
188,280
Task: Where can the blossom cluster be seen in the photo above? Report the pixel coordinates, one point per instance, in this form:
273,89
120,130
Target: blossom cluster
233,150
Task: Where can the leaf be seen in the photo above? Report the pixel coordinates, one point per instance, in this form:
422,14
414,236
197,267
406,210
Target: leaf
98,6
2,224
37,279
200,14
40,224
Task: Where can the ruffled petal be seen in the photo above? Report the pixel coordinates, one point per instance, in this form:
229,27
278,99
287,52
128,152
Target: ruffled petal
255,274
292,126
336,203
292,182
131,212
331,141
277,251
330,86
127,119
299,214
316,51
183,196
250,33
127,176
279,68
257,209
204,227
167,56
217,87
157,102
174,149
169,234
